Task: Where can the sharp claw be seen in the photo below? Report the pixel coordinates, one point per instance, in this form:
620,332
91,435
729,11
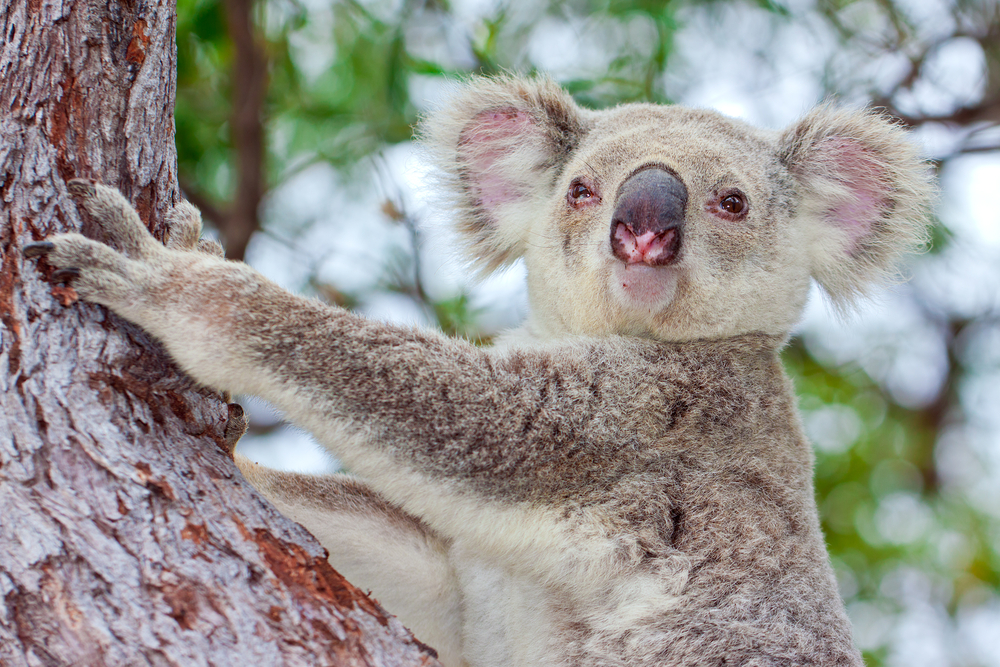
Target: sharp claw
236,426
81,187
64,275
32,250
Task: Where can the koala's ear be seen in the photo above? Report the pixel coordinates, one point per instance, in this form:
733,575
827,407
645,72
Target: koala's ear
865,189
499,144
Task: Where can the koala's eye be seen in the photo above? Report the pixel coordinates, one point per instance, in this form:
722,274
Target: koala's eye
581,191
733,204
729,205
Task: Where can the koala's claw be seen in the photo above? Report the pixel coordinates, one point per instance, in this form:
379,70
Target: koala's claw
98,272
65,275
39,249
82,187
236,426
124,272
184,231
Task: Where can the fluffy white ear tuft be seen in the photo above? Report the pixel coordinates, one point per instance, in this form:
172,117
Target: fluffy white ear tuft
499,144
867,191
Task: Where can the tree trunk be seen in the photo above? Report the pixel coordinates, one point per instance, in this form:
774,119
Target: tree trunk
127,536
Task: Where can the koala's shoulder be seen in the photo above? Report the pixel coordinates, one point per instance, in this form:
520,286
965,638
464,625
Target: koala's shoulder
668,387
711,391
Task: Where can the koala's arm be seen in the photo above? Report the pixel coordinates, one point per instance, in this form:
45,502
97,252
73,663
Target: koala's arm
430,421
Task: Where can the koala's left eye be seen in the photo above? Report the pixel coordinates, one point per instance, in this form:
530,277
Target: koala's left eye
729,205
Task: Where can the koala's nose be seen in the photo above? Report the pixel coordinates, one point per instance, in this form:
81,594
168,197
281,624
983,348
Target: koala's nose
648,223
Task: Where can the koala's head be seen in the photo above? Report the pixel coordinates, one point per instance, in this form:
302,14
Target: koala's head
670,222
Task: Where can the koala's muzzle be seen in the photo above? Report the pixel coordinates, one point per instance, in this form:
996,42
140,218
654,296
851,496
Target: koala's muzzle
648,223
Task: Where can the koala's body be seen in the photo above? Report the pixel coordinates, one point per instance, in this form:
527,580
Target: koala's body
624,481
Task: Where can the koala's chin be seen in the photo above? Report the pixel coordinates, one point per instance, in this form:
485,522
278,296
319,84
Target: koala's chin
642,289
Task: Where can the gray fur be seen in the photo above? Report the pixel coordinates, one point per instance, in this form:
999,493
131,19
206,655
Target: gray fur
625,480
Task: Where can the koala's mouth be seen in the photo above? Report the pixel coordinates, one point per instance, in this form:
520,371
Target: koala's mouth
645,287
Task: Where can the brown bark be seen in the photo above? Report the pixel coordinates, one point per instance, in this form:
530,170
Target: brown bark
127,537
246,124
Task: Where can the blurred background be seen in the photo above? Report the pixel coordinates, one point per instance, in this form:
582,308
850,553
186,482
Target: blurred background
294,131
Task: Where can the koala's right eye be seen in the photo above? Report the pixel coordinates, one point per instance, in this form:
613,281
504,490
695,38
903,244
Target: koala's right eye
730,205
733,204
581,192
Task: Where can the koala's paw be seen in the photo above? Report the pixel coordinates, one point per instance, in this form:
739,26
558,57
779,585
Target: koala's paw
236,426
184,231
96,272
99,272
124,230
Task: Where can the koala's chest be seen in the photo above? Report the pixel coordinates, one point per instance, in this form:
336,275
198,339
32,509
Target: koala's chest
513,615
507,619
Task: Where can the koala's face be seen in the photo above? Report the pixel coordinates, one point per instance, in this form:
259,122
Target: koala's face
670,222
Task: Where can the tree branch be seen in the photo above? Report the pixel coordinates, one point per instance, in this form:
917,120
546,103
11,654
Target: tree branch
247,127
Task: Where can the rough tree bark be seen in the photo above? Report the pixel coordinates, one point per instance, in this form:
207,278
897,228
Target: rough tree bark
127,537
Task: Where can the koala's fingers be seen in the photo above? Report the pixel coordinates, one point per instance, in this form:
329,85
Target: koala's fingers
236,426
115,215
183,227
97,272
184,231
211,247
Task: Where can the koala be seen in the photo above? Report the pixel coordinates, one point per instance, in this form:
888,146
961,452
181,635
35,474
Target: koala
624,480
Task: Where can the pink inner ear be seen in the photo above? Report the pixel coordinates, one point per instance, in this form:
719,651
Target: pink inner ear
853,166
484,142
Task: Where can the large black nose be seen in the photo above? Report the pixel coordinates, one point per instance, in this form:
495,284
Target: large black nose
648,223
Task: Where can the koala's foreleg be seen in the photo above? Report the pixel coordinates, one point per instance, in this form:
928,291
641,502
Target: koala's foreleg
438,426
